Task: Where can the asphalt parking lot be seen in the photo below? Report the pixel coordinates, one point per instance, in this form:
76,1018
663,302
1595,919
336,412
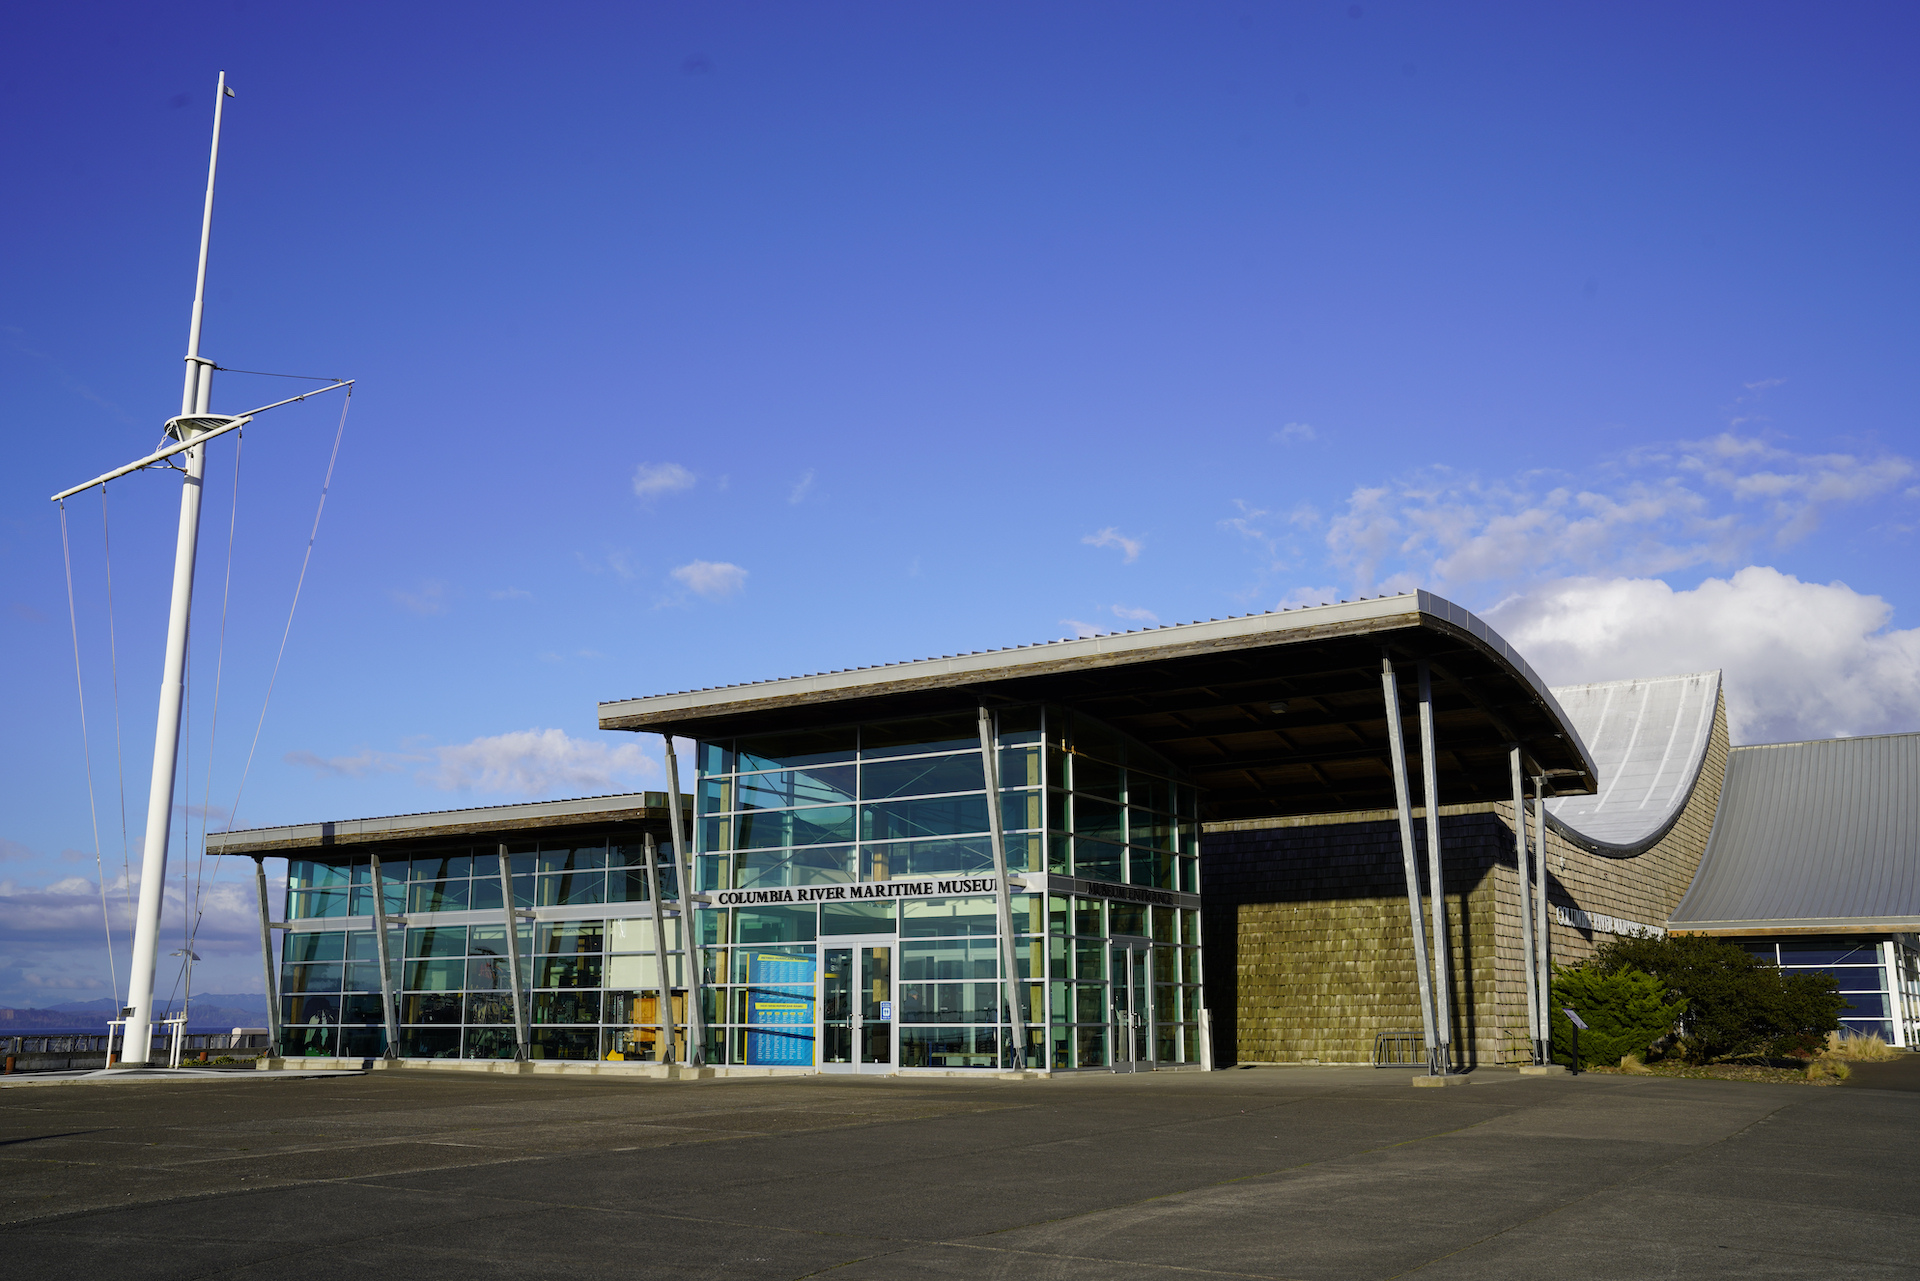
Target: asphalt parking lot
1277,1172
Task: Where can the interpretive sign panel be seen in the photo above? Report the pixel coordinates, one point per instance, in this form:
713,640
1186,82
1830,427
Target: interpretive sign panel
779,1010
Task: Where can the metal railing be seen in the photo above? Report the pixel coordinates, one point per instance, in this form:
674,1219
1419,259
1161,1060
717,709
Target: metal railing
100,1043
1399,1049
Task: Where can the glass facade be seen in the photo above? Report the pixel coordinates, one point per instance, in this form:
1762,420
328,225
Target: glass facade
848,922
1879,979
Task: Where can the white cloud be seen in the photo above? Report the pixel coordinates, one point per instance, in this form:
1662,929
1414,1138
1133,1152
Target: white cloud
801,488
536,762
1082,630
1648,512
1293,432
1308,596
1134,615
359,765
650,480
430,598
1802,660
1111,537
712,579
510,593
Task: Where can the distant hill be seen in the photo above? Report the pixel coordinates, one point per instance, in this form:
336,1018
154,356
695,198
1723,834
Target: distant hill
215,1010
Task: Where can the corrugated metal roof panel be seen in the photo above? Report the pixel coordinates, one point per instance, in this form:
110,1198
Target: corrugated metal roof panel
1649,738
1813,833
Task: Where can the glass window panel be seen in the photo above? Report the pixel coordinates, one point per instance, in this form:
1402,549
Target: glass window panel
785,751
1190,965
490,974
574,856
431,1007
1090,1047
571,889
566,971
306,905
310,1010
1127,918
324,977
1144,827
313,1040
437,940
523,859
949,1003
1865,1005
1056,768
564,1043
774,923
1089,959
857,918
491,940
1166,964
1060,1002
586,938
322,875
1166,1044
1095,739
1089,917
714,758
1830,952
1148,792
1060,915
1163,930
437,896
396,896
905,859
438,867
566,1007
824,785
1190,1043
364,976
812,865
821,825
361,1007
949,959
943,816
1020,811
1020,766
636,934
922,776
716,795
327,945
438,975
949,1047
627,885
927,734
940,917
1089,1003
489,1043
1029,912
1098,819
430,1042
1099,860
363,946
1018,724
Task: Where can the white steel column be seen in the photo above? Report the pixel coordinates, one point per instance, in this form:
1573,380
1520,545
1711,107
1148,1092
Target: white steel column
1010,985
662,961
516,971
1526,897
166,740
1442,948
1396,740
689,935
382,949
266,961
1543,960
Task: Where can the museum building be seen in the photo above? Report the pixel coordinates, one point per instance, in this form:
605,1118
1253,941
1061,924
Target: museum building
1167,849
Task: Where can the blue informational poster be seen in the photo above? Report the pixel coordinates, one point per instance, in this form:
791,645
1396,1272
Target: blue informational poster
779,1010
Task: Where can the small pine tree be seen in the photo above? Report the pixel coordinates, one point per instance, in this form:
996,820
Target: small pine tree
1625,1012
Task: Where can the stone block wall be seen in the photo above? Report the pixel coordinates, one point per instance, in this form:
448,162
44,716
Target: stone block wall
1309,944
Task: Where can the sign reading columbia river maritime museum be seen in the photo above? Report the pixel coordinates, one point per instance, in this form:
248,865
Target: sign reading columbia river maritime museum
867,890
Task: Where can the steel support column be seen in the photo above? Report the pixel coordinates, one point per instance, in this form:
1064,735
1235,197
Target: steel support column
274,1048
662,959
516,973
689,934
1436,883
1543,973
1523,865
1010,985
1396,740
383,950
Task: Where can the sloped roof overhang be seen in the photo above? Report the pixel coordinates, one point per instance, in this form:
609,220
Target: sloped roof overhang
1201,694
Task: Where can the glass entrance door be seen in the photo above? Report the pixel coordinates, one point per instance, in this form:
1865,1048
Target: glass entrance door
856,1008
1130,1018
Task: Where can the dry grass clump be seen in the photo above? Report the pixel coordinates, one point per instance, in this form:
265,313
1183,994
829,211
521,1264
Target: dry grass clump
1849,1047
1633,1065
1823,1068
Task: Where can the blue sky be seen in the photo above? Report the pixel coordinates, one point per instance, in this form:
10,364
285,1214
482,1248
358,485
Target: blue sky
709,343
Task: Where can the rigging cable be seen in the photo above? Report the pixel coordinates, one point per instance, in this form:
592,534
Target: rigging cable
326,484
93,811
119,760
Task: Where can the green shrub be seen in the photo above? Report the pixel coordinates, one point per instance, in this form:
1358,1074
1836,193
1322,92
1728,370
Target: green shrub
1736,1007
1625,1012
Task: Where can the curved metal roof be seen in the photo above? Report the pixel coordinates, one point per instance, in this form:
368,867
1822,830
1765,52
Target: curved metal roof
1649,738
1203,696
1813,838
